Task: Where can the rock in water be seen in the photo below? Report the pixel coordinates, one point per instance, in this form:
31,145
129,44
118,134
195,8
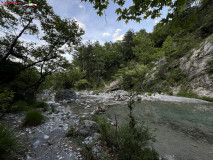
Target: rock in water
66,95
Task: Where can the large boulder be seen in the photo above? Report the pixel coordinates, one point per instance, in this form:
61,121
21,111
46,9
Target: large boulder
88,128
66,95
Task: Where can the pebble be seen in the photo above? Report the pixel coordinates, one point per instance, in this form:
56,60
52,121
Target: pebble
46,137
36,144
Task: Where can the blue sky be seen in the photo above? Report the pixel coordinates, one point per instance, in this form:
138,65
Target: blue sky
104,28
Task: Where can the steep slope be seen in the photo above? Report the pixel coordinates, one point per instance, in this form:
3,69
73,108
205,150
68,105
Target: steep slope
197,68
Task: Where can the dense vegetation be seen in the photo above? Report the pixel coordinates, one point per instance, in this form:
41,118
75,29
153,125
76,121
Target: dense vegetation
27,68
133,59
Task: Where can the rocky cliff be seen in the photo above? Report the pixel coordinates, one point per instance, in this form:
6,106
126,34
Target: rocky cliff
197,66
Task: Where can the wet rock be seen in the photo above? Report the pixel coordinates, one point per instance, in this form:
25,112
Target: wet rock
66,95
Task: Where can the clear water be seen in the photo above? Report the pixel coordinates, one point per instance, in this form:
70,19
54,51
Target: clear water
190,115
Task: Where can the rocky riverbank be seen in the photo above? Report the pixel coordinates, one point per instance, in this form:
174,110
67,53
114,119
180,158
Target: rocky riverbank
49,141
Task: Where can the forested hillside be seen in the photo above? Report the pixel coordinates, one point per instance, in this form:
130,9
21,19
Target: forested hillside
162,61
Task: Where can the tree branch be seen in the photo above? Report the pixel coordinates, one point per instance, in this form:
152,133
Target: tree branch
15,41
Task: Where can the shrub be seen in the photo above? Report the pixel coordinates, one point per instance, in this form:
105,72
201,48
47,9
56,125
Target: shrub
35,104
27,105
149,94
71,132
8,144
126,143
210,67
41,105
19,106
132,144
207,98
5,98
82,84
177,75
190,94
52,109
33,118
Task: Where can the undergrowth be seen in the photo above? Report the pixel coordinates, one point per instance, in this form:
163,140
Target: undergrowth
33,118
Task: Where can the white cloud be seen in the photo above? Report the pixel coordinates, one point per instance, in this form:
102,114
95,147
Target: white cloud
117,31
81,6
156,21
118,38
106,34
81,24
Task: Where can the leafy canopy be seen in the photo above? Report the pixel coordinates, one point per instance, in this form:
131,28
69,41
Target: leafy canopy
140,9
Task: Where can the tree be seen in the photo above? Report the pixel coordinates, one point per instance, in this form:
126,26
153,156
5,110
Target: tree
141,9
16,21
144,48
127,44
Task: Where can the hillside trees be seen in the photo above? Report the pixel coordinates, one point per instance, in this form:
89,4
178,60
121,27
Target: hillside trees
98,61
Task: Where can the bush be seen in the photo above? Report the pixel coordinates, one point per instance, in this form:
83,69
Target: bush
207,98
132,144
82,84
27,105
71,132
41,105
33,118
210,67
19,106
5,98
52,109
126,143
8,144
177,75
35,104
190,94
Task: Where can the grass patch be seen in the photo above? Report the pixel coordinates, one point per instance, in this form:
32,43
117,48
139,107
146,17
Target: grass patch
9,146
27,105
19,106
33,118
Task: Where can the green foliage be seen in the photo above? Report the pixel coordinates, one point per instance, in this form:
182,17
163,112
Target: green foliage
71,132
19,106
149,94
67,79
52,109
132,76
9,145
6,97
144,48
127,44
140,10
187,93
33,118
125,143
22,105
33,62
168,46
206,98
210,67
177,75
82,84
